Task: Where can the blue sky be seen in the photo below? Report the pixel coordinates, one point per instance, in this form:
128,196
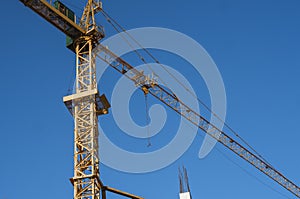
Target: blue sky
255,45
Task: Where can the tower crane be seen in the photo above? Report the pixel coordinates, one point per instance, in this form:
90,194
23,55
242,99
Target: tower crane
86,104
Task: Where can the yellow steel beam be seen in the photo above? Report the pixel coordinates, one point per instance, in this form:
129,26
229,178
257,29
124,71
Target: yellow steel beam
116,191
55,17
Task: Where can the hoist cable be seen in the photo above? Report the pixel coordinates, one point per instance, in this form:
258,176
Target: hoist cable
179,82
108,19
147,120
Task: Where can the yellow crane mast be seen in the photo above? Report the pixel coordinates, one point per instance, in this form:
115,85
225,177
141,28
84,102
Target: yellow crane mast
85,104
84,108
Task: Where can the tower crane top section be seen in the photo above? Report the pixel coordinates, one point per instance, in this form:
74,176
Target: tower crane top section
59,18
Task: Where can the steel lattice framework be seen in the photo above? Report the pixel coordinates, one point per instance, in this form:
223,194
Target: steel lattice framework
86,180
86,104
86,156
59,20
171,100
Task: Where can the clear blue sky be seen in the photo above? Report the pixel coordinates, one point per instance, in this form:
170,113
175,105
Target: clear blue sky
256,47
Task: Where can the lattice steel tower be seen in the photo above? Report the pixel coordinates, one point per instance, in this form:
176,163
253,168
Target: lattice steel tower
85,109
85,104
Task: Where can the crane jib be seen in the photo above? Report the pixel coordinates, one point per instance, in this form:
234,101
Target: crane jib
181,108
55,17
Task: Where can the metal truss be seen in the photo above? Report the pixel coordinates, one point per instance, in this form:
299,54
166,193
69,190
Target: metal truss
52,15
84,107
86,156
171,100
88,20
85,104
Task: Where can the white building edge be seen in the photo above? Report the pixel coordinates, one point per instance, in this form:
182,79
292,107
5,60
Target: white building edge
185,195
